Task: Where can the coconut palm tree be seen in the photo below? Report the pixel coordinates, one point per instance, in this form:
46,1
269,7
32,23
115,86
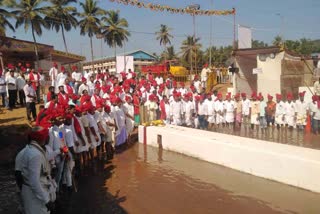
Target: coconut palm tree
115,32
90,22
189,49
4,14
30,13
277,41
169,53
164,36
62,16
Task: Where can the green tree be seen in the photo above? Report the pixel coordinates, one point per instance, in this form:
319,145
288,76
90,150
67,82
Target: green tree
4,15
258,44
115,32
164,36
62,16
89,21
169,54
29,13
189,49
219,56
277,41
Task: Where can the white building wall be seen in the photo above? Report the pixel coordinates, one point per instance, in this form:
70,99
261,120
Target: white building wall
269,81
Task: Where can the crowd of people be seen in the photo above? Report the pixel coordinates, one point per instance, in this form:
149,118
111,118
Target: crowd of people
86,114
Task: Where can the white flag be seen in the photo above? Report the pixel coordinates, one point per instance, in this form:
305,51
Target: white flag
244,37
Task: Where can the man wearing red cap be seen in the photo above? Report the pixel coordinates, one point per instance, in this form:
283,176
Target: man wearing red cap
176,110
254,111
94,130
211,113
120,118
246,103
159,79
34,77
219,107
96,98
229,111
57,141
33,174
262,113
270,111
290,110
197,84
109,127
70,143
61,77
280,111
83,86
238,110
301,108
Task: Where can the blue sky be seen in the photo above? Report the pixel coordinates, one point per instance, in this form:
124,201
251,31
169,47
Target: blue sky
300,19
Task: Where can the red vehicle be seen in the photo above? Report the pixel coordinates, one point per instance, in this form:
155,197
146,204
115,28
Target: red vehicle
156,68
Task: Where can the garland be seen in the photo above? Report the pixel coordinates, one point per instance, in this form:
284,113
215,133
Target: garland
161,8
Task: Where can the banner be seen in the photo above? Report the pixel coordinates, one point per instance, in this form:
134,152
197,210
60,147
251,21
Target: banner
244,37
166,8
124,63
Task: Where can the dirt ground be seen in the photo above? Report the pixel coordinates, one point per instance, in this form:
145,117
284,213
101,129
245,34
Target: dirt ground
13,131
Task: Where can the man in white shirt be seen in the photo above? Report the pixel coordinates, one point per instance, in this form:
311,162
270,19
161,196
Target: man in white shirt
159,79
42,83
11,81
204,74
20,86
3,91
62,76
33,167
246,103
211,112
91,85
53,73
176,110
30,100
83,86
301,108
77,77
202,113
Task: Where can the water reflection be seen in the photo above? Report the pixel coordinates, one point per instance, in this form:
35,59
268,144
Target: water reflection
282,135
158,181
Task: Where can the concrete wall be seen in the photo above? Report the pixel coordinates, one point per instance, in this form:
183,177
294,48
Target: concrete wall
295,74
244,80
269,80
291,165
